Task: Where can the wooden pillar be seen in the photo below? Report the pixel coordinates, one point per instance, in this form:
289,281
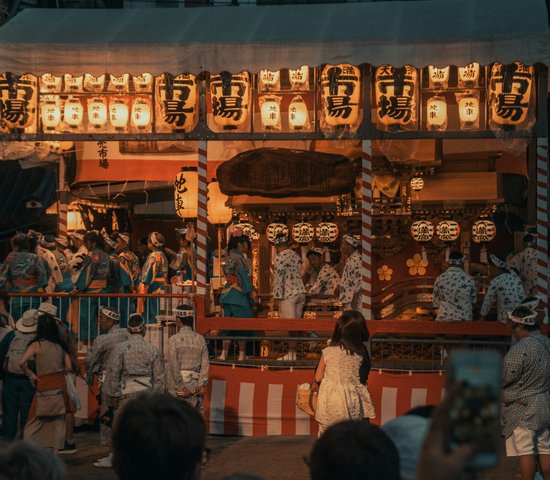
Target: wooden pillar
62,201
366,229
542,223
202,228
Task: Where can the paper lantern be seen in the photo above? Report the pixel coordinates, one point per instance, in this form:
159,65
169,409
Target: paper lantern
396,97
468,76
422,230
483,231
73,112
50,114
468,112
341,95
270,112
141,113
93,83
118,114
97,112
119,84
274,229
50,83
74,220
303,232
417,183
298,114
218,213
176,102
143,83
73,84
436,113
511,95
230,95
448,230
299,79
269,80
247,228
326,232
186,194
438,77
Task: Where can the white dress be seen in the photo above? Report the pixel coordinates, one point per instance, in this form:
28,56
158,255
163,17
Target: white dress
342,396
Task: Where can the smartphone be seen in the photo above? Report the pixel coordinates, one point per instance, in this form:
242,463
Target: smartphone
474,417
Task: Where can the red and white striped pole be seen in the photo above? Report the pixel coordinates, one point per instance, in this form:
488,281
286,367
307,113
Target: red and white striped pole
62,202
542,223
202,226
366,229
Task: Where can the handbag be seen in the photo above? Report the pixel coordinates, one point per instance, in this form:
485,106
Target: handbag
50,404
306,399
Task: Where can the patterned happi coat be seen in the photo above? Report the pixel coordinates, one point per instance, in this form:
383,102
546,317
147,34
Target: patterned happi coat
350,283
287,275
153,277
454,295
327,281
507,291
525,263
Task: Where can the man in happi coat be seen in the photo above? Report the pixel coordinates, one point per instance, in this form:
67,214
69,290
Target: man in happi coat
187,361
22,272
350,283
525,416
45,251
76,260
326,277
525,263
134,366
129,274
153,276
506,288
62,254
92,279
98,355
454,292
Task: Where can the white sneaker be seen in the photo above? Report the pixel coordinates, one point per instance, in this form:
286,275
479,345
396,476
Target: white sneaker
105,462
289,357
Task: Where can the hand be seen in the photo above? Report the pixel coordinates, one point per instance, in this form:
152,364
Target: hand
32,377
435,462
200,391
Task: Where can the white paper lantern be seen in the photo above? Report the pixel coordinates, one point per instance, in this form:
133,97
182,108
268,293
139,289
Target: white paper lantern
93,83
436,116
186,194
326,232
299,79
50,83
141,113
439,77
422,230
448,230
73,112
274,229
483,231
298,114
119,114
269,80
73,84
468,75
218,213
143,83
270,111
468,111
247,229
97,112
50,113
303,232
417,183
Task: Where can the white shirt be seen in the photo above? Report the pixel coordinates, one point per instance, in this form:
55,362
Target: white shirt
454,295
350,283
287,275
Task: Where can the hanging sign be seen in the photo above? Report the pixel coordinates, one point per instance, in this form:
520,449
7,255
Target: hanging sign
230,96
274,229
341,95
186,194
303,232
176,102
18,102
326,232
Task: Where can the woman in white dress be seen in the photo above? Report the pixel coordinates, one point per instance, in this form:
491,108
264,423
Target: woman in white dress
342,373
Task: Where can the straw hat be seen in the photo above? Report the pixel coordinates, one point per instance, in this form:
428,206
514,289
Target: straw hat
28,323
48,308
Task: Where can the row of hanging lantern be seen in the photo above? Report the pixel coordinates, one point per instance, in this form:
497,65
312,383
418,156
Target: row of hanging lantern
303,232
448,231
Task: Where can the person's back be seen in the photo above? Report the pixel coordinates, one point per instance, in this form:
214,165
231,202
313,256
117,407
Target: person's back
341,366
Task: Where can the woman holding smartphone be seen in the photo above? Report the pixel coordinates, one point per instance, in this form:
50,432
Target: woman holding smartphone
342,374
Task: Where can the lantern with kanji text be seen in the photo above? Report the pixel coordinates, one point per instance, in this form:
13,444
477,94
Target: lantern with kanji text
422,231
186,194
119,84
176,102
97,112
119,114
298,114
468,112
326,232
141,113
438,77
230,96
50,114
299,78
274,229
302,232
270,112
218,213
341,97
50,83
436,113
73,113
93,83
468,76
72,83
448,231
483,231
268,80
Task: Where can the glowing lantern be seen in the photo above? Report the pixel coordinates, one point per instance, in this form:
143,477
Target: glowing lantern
143,83
302,232
230,99
119,84
396,97
97,112
422,231
141,113
74,220
448,231
93,83
218,213
50,113
417,184
176,102
298,114
118,114
274,229
468,76
270,110
468,112
247,229
264,349
186,194
341,95
439,77
483,231
50,83
269,80
299,79
436,116
326,232
73,113
511,95
73,84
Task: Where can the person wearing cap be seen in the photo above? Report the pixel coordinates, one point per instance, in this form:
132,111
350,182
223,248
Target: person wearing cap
525,416
18,391
92,279
506,288
62,255
525,262
153,276
45,251
22,272
98,355
289,292
454,293
129,276
350,283
326,278
187,361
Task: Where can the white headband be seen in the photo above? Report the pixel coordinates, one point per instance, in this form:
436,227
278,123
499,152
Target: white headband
528,320
110,312
155,240
497,261
138,328
456,261
351,241
184,312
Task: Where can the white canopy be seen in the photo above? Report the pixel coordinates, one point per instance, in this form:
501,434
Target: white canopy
214,39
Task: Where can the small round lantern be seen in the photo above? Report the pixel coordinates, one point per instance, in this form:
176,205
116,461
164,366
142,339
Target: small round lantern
247,228
468,111
97,112
270,111
483,231
141,113
436,116
73,113
298,115
50,113
274,229
417,184
119,113
302,232
326,232
422,231
448,231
